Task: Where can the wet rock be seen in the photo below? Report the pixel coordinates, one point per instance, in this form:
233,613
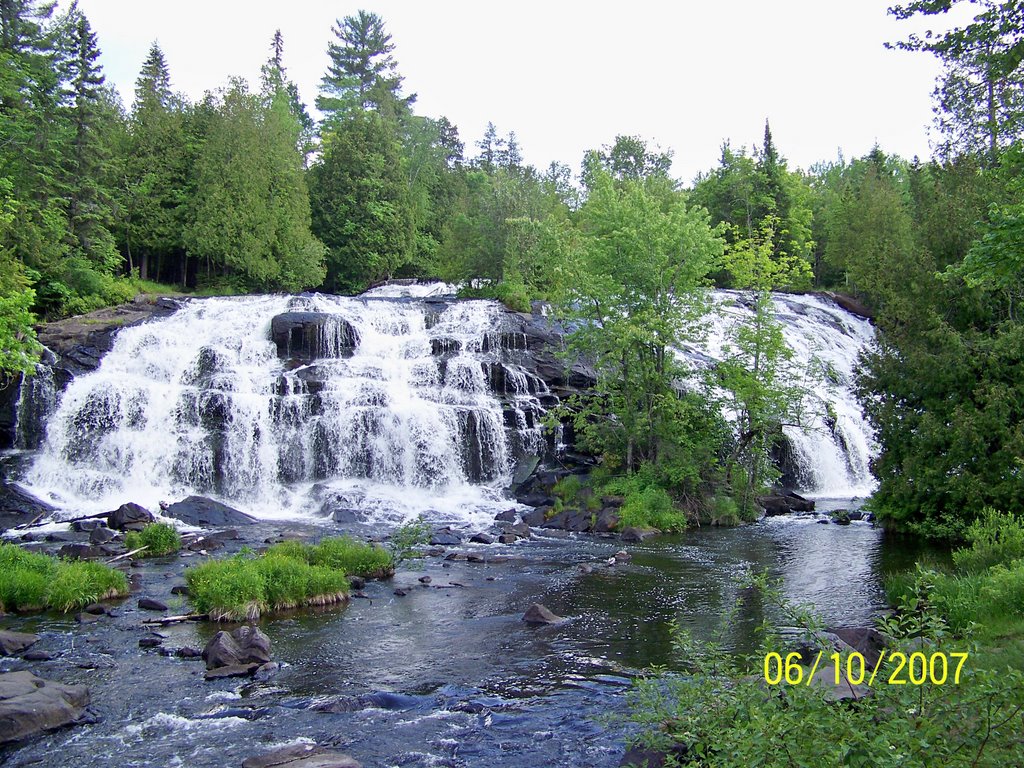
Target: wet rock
841,517
508,538
87,526
301,756
18,506
84,551
245,645
570,520
536,517
101,535
482,538
267,671
87,618
445,537
536,500
149,604
231,670
638,534
129,517
641,757
207,513
623,556
540,614
357,582
38,656
187,652
400,593
475,559
508,516
312,335
180,589
866,640
150,641
97,609
784,503
12,643
425,579
30,705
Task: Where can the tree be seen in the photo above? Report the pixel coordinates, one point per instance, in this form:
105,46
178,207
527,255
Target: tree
362,73
628,159
637,295
275,82
360,206
979,99
251,212
19,349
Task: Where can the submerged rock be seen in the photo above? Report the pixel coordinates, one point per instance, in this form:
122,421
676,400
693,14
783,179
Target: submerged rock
541,614
30,705
638,534
301,756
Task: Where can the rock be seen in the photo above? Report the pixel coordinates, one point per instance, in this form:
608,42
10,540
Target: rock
613,502
357,582
400,593
84,552
536,517
18,506
851,304
97,609
841,517
825,679
245,645
623,556
508,538
150,641
445,537
87,526
301,756
482,538
207,513
87,618
570,520
638,534
640,757
101,535
425,579
540,614
312,335
129,517
38,656
12,643
267,671
187,652
149,604
866,640
536,500
180,589
785,503
30,704
508,516
231,670
607,520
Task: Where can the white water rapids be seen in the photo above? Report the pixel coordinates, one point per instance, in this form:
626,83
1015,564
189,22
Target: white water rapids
403,419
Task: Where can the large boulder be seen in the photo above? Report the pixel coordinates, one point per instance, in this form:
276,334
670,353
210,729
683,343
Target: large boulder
240,647
785,502
18,506
312,335
129,517
201,511
30,705
12,643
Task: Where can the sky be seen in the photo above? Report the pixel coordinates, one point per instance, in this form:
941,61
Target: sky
569,76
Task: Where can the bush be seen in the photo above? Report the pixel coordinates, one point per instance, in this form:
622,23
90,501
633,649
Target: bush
724,511
995,537
405,538
31,581
289,575
159,539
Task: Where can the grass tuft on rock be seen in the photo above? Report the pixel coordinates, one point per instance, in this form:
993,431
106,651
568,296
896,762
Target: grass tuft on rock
30,581
159,539
341,553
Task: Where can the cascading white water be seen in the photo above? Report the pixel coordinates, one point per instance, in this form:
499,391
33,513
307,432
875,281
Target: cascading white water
276,403
834,445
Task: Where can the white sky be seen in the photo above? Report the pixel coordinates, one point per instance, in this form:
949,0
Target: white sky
569,76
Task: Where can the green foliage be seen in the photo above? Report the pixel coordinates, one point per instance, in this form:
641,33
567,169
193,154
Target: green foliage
244,587
722,713
406,538
31,581
647,503
340,553
159,539
994,537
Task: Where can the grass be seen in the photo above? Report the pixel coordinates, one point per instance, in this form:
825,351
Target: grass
159,539
288,575
30,581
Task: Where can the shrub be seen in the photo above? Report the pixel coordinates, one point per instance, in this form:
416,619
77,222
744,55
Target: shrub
159,539
32,581
342,553
995,537
724,511
651,507
403,540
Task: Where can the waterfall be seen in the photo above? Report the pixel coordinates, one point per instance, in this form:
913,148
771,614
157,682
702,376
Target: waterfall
833,447
399,402
278,404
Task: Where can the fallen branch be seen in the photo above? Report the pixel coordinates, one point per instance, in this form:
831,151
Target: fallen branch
36,524
177,619
127,554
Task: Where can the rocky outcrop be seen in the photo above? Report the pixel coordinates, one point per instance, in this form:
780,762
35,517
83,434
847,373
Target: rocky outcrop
18,506
129,517
312,335
207,513
785,502
30,705
13,643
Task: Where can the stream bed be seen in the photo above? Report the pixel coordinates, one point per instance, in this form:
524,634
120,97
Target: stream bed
448,674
